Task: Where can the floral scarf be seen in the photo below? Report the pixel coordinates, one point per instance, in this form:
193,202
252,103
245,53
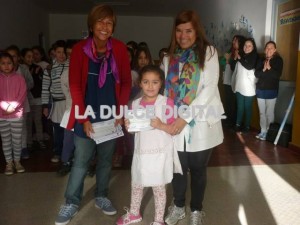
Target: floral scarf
90,50
182,86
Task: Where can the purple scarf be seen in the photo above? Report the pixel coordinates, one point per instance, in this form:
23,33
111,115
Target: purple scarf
90,50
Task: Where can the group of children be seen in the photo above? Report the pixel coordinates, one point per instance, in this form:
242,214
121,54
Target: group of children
43,93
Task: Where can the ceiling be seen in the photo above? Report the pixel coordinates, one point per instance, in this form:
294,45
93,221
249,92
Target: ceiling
121,7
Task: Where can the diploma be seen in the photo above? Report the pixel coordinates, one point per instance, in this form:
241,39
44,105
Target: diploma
105,131
138,120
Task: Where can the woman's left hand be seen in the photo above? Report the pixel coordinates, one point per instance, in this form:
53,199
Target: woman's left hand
178,125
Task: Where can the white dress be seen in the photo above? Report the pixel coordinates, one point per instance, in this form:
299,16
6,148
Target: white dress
152,163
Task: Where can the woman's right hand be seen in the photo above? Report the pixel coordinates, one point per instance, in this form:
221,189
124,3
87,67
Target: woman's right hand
88,128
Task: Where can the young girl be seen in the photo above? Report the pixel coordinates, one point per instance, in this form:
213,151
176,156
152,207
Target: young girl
51,89
228,63
152,164
12,97
35,101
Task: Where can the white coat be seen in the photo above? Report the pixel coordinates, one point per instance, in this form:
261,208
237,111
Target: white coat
207,131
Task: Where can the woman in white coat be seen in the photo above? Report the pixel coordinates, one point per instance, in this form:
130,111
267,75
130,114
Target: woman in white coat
192,74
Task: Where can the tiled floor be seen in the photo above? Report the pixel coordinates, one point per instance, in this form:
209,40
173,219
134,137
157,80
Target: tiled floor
250,182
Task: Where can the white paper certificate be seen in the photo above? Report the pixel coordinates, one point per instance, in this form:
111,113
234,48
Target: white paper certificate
138,120
105,131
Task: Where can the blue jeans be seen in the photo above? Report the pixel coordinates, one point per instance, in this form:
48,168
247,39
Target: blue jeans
84,152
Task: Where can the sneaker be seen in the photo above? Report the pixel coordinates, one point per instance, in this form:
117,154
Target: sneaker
196,218
129,218
157,223
258,135
106,206
175,214
237,128
9,169
64,169
19,168
55,159
263,136
24,153
66,212
245,130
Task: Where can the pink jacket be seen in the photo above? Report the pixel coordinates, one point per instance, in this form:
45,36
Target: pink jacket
12,92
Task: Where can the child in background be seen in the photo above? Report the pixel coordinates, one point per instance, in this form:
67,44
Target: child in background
12,97
244,84
14,51
227,63
68,143
35,101
152,164
52,87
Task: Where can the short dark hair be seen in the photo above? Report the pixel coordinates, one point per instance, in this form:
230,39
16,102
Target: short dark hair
13,48
100,12
6,55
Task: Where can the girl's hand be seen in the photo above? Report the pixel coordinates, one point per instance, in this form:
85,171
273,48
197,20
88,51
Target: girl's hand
156,123
46,112
126,123
10,109
227,57
119,121
88,128
178,125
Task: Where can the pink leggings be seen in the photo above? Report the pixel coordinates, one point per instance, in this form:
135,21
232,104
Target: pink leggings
159,200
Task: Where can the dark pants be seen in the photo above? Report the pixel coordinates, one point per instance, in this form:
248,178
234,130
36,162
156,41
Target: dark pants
230,105
68,147
58,138
196,163
244,107
84,153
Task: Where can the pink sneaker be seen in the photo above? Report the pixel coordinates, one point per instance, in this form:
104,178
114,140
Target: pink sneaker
128,218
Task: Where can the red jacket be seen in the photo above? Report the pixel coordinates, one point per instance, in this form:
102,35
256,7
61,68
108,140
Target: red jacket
78,74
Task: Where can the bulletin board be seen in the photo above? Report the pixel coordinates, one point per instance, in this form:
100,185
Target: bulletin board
287,34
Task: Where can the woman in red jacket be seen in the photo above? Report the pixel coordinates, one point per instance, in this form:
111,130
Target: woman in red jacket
99,75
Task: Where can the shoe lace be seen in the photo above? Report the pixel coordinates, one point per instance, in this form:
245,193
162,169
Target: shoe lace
172,211
9,166
126,216
105,202
66,210
197,217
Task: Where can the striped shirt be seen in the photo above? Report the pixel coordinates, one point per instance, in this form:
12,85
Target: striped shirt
52,83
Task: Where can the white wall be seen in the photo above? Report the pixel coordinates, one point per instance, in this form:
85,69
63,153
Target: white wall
228,12
156,31
21,22
218,17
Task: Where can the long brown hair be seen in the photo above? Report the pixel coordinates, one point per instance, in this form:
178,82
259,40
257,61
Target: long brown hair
201,42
